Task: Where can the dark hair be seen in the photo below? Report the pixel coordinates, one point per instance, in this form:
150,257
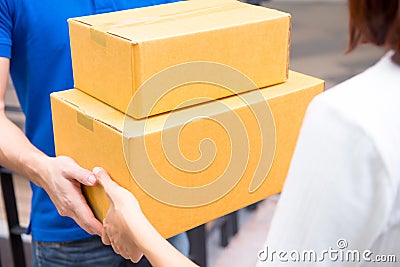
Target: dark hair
376,22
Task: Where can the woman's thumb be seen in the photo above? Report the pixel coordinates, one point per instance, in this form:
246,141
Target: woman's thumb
106,182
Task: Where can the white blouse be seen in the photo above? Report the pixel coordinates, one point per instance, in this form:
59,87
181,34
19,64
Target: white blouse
341,199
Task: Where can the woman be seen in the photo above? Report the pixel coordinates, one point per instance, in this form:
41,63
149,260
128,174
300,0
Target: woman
342,190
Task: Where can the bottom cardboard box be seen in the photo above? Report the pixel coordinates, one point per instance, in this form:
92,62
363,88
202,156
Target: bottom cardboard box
192,165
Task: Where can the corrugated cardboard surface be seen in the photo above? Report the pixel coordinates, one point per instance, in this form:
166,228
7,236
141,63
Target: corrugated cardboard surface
121,50
92,133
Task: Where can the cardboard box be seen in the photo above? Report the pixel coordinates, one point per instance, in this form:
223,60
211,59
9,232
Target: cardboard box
113,54
252,155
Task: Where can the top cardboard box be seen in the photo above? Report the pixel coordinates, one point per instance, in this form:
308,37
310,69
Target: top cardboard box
114,54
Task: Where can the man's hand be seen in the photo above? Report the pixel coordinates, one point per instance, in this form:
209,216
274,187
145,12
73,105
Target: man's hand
123,217
63,179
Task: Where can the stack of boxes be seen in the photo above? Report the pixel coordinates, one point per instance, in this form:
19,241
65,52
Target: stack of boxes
167,100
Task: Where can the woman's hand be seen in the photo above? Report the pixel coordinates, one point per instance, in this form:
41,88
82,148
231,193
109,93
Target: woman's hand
130,233
123,216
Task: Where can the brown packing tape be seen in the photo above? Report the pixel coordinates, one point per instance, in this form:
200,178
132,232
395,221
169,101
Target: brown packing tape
98,37
85,121
106,27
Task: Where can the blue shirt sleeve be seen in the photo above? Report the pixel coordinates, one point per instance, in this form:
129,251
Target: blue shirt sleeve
6,27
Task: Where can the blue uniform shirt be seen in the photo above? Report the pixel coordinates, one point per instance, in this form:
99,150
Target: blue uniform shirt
34,35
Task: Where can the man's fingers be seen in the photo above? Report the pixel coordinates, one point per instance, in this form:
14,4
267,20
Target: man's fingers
96,226
105,239
91,225
80,174
85,218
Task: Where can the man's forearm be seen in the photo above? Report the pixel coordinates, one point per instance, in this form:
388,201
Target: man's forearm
18,154
60,177
16,151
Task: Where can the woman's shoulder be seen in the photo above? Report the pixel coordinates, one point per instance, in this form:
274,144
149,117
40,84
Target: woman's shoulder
368,103
370,94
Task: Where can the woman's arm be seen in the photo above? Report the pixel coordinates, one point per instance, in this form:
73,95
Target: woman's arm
127,229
